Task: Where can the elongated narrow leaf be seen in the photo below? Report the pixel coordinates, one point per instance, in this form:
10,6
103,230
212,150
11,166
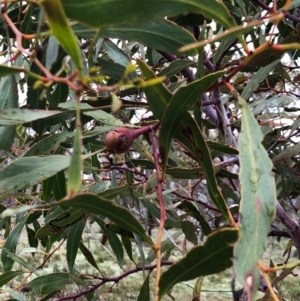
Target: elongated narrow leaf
161,35
188,134
175,67
7,276
94,204
20,260
73,241
44,146
113,240
111,12
258,199
88,255
61,222
11,245
76,165
144,294
257,78
6,70
184,98
18,116
8,100
62,31
213,257
48,284
27,171
113,192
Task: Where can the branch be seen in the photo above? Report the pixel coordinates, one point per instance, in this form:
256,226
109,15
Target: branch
115,279
291,225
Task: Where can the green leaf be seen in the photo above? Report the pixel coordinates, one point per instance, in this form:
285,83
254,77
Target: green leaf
144,294
112,12
60,222
287,153
73,241
76,165
8,100
162,35
62,31
192,209
19,116
257,78
258,199
213,257
60,186
188,134
174,68
104,117
48,284
183,99
27,171
7,276
111,193
128,247
11,245
47,144
189,230
20,260
7,137
5,70
88,255
113,240
96,205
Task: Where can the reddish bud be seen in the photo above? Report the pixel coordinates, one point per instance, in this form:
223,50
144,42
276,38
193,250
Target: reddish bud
121,139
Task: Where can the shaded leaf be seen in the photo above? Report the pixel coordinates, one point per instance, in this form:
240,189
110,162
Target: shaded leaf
19,116
213,257
11,245
27,171
7,276
163,35
96,205
73,241
48,284
174,68
144,294
20,261
183,99
61,222
88,255
189,231
113,241
5,70
257,78
47,144
61,29
108,13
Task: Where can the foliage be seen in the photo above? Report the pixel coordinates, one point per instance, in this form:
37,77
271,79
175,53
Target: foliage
201,111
